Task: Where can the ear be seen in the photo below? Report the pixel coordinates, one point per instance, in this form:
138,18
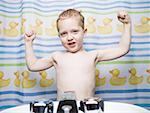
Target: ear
58,34
85,30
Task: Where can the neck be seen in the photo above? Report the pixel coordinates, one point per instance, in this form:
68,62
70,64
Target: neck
79,51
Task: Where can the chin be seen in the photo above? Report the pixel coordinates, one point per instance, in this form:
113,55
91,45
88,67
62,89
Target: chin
72,51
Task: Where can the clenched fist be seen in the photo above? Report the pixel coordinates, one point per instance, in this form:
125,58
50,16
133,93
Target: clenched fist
123,17
29,36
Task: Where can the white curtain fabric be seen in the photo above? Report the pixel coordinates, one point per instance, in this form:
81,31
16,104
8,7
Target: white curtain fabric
126,79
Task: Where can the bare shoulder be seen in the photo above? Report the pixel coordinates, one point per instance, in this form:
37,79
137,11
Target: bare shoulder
54,57
96,54
93,53
57,54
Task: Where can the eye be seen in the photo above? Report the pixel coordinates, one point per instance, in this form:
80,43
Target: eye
63,34
75,31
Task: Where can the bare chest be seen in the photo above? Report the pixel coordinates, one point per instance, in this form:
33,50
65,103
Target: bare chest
76,62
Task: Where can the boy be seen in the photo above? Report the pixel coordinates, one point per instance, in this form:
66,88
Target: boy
75,67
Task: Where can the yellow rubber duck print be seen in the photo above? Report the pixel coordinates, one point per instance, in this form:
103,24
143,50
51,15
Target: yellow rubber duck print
135,79
12,30
3,82
17,80
115,79
26,83
91,27
38,27
52,30
106,28
144,27
44,82
23,26
99,81
148,78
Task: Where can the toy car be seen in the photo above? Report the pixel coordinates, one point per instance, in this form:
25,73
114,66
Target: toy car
41,107
92,105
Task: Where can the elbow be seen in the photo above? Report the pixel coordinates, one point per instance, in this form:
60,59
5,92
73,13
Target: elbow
30,65
31,68
125,50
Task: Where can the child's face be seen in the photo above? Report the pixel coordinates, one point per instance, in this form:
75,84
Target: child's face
71,34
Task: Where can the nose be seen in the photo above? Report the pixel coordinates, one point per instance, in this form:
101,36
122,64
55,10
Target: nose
69,37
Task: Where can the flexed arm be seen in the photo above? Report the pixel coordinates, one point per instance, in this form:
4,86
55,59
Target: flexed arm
124,44
33,63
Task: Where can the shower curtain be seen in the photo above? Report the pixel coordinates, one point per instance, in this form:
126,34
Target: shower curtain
126,79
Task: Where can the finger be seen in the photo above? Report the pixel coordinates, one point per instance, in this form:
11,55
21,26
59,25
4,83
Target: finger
122,14
121,17
29,33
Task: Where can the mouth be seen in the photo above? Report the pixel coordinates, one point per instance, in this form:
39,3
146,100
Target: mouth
71,44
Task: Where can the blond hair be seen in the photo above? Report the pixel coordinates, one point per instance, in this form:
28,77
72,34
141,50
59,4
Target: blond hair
71,13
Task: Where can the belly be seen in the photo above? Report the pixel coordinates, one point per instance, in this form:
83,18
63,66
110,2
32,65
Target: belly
82,85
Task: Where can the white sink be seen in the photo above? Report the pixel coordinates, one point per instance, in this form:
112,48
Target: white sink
109,107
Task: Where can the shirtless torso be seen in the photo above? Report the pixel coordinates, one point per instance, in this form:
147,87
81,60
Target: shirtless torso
75,72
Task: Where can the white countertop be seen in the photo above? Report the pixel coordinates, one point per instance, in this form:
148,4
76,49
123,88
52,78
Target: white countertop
109,107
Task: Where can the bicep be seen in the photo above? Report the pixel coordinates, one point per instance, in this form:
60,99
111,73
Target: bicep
110,54
42,64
